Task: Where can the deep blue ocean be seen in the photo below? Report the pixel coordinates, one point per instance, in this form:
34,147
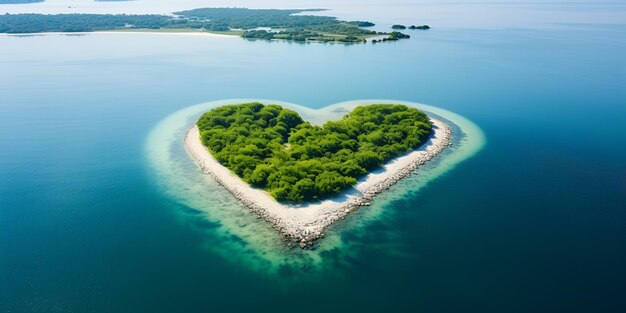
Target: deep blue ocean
533,222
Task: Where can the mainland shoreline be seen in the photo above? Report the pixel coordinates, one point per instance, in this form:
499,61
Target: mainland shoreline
304,223
127,32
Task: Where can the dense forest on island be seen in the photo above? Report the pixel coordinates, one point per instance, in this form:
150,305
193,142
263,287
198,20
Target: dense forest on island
273,148
243,18
277,24
362,23
38,23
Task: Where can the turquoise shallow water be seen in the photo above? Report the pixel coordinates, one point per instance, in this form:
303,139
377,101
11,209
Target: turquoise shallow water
256,244
534,221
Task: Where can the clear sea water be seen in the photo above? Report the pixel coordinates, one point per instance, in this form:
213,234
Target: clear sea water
535,221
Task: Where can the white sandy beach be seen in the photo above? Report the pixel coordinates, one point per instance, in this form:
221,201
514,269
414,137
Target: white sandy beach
306,223
180,33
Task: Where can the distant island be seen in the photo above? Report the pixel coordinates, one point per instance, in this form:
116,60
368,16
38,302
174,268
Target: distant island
399,26
419,27
266,24
303,177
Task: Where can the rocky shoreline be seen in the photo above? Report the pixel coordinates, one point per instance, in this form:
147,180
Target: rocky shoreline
303,224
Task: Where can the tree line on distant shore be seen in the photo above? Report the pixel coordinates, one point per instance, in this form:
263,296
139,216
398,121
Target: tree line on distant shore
271,147
287,24
217,19
319,33
38,23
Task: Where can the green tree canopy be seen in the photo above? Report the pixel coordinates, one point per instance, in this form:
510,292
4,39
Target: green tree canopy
273,148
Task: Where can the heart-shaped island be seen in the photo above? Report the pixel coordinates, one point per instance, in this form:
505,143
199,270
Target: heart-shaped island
302,177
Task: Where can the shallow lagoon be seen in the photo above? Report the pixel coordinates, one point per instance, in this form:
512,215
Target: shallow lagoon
257,244
532,222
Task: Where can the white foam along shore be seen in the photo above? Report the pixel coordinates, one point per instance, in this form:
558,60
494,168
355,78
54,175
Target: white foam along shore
303,224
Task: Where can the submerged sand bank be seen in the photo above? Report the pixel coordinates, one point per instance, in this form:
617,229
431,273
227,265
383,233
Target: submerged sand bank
305,223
